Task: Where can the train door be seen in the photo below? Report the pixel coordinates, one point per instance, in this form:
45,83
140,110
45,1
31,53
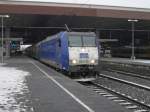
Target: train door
58,52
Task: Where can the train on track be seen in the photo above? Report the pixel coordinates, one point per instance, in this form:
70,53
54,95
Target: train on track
75,53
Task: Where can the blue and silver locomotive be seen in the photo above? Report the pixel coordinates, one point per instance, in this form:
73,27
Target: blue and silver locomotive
73,52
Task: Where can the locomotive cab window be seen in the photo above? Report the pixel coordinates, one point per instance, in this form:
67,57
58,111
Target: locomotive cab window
75,41
89,41
80,41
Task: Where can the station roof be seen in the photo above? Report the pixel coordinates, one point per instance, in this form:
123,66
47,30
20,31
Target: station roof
57,8
36,18
120,3
87,14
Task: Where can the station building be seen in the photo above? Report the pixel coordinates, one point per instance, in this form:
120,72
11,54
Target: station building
34,21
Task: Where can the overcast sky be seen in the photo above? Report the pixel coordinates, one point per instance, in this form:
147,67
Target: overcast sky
125,3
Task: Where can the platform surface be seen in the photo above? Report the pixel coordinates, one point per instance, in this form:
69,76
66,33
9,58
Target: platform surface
50,91
144,62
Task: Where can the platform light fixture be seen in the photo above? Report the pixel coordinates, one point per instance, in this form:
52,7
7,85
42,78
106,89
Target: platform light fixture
2,32
133,25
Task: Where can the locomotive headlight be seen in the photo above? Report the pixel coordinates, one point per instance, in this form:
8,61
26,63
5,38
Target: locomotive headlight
74,61
93,61
83,50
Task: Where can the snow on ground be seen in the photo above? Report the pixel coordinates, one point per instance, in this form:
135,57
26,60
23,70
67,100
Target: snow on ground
12,88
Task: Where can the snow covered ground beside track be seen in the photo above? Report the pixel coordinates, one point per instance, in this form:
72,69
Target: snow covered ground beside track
13,88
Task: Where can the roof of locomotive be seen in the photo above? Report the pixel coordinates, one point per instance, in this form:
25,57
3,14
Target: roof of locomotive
82,33
68,33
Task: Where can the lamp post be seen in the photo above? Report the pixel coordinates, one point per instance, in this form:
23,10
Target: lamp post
132,22
2,31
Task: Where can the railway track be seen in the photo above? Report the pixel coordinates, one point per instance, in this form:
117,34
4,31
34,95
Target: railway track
126,101
129,74
129,101
125,82
127,67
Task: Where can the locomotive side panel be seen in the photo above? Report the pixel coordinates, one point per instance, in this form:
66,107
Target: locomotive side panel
48,52
64,51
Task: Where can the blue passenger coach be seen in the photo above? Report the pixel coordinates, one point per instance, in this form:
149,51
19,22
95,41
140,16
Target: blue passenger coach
70,51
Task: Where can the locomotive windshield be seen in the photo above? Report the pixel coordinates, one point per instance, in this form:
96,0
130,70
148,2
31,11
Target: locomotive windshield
89,41
82,41
75,41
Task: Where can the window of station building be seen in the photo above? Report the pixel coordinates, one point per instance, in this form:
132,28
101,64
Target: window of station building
15,44
1,43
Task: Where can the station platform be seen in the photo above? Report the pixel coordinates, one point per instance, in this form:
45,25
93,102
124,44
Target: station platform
50,91
139,62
